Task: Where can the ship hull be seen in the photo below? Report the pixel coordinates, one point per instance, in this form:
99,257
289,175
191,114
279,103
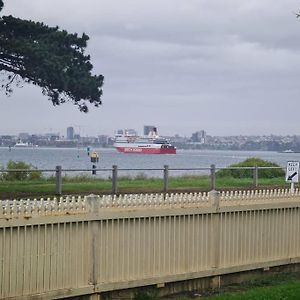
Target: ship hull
148,150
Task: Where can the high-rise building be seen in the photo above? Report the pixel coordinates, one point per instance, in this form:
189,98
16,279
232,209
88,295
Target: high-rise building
70,133
148,129
199,137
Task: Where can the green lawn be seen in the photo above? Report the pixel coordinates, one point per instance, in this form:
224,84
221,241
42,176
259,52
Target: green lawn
273,287
85,185
283,286
285,291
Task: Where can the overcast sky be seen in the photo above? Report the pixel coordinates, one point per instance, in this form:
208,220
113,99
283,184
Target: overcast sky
226,66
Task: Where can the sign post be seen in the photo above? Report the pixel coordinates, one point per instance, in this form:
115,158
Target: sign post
292,173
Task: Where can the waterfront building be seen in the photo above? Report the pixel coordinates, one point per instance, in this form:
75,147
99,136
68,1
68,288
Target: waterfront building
70,133
199,137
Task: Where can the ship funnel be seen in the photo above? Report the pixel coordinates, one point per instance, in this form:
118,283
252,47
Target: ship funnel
153,132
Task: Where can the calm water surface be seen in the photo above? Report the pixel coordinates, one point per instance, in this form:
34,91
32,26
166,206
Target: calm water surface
72,158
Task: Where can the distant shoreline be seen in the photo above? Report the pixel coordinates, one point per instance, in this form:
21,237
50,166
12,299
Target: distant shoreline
180,149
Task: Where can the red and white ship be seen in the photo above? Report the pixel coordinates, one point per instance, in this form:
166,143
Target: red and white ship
127,141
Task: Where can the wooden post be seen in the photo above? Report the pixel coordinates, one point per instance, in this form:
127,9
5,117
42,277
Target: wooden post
114,179
292,188
214,197
166,178
255,177
58,189
212,177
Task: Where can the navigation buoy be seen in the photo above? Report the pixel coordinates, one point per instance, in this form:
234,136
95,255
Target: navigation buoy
94,157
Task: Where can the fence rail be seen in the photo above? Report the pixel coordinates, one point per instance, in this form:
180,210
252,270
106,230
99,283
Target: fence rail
115,170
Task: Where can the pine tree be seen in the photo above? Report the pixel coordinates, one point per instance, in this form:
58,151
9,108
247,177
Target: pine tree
51,58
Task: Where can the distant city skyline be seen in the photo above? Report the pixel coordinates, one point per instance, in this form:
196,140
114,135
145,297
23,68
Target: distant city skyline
85,133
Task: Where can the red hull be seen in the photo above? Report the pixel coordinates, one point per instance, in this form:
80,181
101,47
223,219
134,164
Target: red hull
138,150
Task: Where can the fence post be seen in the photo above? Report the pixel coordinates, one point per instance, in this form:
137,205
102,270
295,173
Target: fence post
214,197
58,180
166,178
212,177
93,202
255,177
114,179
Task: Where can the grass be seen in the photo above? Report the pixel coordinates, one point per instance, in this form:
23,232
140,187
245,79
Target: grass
284,286
140,183
248,182
278,287
285,291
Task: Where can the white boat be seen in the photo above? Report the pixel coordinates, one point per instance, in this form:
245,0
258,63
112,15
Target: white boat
288,151
20,144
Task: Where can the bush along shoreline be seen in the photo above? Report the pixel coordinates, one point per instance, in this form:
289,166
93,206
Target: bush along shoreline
20,176
248,173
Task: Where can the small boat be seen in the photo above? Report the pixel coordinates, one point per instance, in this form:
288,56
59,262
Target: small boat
288,151
20,144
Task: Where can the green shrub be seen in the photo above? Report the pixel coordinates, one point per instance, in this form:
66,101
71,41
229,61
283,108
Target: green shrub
252,162
15,165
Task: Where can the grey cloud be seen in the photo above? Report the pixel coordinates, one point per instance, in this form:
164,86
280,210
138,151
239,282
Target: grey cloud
226,66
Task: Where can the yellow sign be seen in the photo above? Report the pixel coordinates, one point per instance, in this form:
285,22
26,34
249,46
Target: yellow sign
94,157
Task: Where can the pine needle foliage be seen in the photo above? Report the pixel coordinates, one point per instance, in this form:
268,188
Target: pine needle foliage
50,58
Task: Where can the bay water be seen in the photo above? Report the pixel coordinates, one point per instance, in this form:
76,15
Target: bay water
77,158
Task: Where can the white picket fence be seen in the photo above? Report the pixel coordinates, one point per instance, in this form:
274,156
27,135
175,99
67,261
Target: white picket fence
52,248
